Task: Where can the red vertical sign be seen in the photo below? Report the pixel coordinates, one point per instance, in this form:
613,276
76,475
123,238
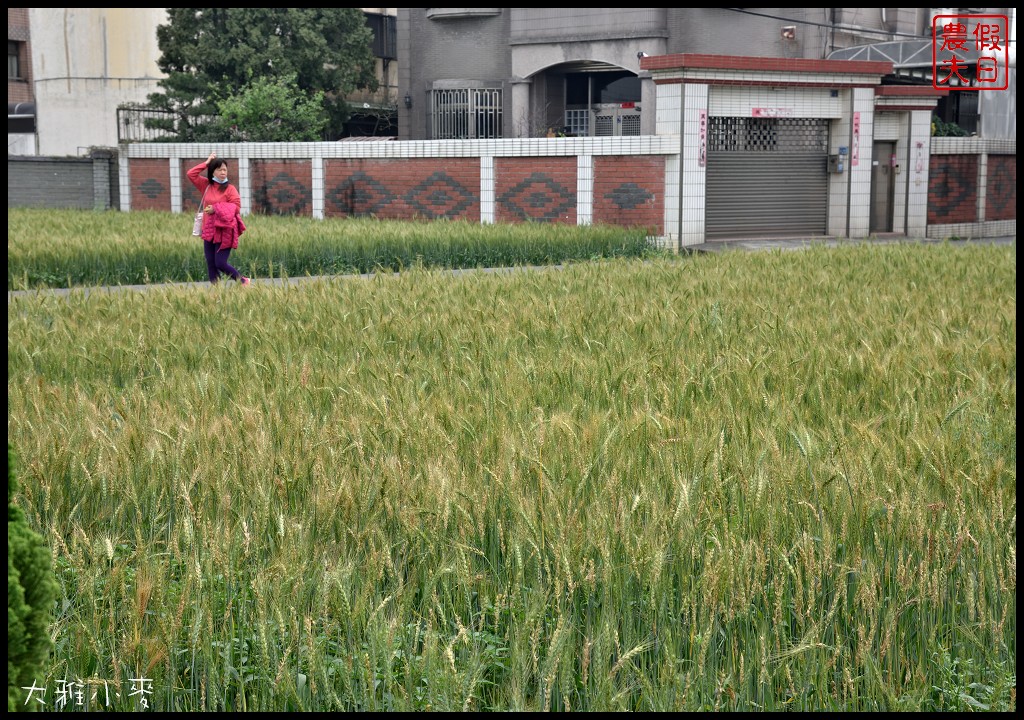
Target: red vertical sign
702,146
855,145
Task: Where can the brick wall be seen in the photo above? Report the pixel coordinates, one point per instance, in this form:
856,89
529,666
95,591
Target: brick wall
151,187
282,187
1001,188
953,189
536,188
629,190
403,189
20,89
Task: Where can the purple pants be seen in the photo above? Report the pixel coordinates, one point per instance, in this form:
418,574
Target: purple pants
217,262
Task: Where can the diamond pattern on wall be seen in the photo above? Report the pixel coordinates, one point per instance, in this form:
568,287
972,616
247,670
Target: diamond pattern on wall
360,194
538,197
629,196
1001,200
440,196
952,190
285,195
151,188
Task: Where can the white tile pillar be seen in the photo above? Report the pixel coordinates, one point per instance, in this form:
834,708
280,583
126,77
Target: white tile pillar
917,173
584,189
244,181
693,165
317,178
487,190
858,220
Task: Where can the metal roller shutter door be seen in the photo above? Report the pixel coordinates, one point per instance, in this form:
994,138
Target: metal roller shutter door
766,176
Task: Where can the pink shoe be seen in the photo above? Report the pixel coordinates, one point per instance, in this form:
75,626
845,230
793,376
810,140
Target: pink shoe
246,281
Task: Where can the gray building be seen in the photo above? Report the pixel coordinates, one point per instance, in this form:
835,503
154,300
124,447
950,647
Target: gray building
488,73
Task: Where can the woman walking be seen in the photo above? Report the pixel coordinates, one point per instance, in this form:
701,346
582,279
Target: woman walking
222,216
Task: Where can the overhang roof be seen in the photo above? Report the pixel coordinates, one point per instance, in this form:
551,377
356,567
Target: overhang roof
21,109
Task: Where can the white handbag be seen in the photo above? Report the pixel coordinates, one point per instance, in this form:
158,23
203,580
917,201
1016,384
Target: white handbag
197,226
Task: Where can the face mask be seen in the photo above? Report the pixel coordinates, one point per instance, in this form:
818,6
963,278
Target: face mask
218,180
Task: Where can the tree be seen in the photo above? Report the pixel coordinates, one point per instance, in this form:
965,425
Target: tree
209,54
940,128
31,591
273,110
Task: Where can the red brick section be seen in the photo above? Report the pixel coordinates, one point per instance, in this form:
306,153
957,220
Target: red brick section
953,189
630,191
403,189
691,61
282,187
540,188
1001,188
151,184
20,89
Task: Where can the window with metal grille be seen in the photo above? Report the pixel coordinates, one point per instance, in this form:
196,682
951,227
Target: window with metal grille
467,113
631,124
577,123
762,135
793,135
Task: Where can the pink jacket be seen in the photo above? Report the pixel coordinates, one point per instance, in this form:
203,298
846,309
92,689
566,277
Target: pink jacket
224,226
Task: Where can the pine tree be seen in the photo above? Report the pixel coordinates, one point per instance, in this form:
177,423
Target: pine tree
31,591
211,54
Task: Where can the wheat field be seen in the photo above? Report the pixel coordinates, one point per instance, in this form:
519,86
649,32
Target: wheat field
747,481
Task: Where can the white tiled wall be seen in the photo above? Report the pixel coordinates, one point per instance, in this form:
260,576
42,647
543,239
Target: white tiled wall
917,173
742,101
839,183
670,101
584,189
668,122
244,175
522,147
693,182
487,206
671,239
887,125
990,229
860,174
317,178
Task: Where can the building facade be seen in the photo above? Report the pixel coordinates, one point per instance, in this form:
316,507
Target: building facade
70,69
482,73
85,63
